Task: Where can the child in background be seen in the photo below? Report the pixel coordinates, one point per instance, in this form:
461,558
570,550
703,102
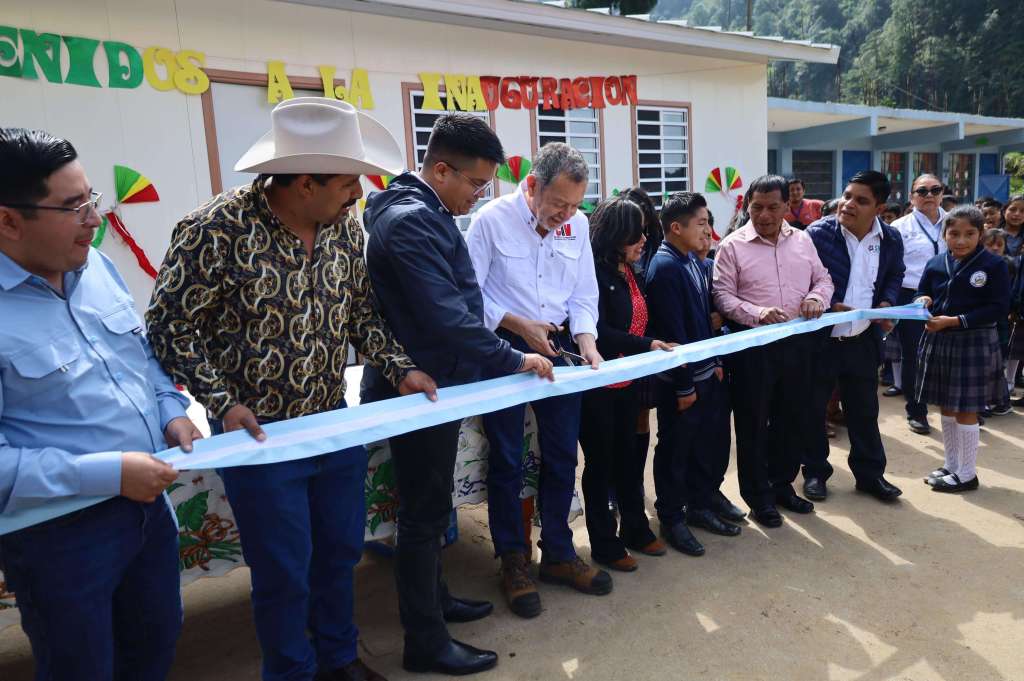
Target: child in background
994,241
893,211
993,212
967,290
830,207
1013,229
1013,224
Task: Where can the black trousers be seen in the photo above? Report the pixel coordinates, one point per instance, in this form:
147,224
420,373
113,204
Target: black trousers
771,388
424,463
608,436
692,453
853,364
909,332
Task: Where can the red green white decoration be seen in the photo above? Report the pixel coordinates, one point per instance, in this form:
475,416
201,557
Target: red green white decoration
515,169
381,182
131,187
719,181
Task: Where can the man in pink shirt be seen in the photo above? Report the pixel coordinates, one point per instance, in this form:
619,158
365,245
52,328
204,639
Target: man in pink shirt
769,272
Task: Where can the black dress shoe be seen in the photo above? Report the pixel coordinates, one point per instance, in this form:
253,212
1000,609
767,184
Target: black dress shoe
892,391
794,503
767,516
706,519
956,486
920,427
727,510
457,659
935,475
680,538
815,488
466,610
879,488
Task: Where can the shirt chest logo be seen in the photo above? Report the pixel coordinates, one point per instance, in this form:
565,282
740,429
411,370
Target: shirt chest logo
565,232
978,279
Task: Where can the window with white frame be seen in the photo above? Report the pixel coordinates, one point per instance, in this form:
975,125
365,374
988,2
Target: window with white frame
581,130
422,123
663,150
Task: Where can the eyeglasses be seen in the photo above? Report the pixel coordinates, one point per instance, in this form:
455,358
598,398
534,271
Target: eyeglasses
478,189
571,358
81,211
925,191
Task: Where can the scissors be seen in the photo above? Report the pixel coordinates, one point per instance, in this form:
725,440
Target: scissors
571,358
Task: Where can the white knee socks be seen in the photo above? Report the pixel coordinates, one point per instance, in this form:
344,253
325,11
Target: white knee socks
1011,373
968,454
950,443
897,374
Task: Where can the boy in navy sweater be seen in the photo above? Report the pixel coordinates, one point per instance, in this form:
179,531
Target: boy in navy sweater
692,453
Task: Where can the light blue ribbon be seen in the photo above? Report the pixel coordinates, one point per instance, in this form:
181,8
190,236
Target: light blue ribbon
332,431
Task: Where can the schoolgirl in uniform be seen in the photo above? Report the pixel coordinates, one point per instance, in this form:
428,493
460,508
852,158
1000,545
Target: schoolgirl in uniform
967,290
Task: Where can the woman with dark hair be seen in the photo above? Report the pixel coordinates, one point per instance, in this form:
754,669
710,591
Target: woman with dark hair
651,227
646,393
609,414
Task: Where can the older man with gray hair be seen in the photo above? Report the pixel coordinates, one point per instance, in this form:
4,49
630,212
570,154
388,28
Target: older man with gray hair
531,253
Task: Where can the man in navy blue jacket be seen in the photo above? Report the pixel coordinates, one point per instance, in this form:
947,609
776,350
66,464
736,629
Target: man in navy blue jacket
864,257
692,453
422,276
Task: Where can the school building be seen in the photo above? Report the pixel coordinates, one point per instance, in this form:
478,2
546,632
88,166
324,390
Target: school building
826,143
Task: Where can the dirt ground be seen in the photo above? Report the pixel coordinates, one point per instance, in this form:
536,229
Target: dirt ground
929,588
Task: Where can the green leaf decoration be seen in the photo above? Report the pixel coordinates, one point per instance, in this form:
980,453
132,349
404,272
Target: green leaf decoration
192,511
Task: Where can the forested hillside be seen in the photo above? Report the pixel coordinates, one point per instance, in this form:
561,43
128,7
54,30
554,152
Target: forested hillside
943,55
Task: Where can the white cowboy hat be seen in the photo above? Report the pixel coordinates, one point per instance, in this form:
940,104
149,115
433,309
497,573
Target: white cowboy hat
320,135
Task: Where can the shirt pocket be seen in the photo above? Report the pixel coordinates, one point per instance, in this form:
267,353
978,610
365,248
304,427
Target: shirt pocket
124,336
516,266
567,263
41,371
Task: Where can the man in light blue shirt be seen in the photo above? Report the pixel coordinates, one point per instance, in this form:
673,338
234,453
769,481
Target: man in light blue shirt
83,405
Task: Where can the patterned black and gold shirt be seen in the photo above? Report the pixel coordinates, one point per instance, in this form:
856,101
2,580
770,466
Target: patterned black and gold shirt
241,315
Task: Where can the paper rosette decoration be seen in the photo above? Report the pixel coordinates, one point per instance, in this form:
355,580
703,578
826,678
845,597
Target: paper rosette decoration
381,182
131,187
717,183
515,169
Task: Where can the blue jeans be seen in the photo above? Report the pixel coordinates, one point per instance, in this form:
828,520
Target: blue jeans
98,591
558,426
301,526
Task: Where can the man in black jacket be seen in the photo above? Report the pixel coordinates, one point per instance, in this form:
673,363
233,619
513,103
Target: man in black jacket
423,278
864,257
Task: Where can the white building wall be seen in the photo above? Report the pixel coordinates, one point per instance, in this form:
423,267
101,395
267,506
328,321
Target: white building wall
161,134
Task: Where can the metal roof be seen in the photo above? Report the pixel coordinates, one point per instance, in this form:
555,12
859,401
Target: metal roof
553,20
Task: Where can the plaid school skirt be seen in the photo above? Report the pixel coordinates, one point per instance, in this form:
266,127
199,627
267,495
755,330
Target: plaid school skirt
960,370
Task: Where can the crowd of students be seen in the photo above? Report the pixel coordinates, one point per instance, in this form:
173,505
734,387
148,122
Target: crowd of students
264,287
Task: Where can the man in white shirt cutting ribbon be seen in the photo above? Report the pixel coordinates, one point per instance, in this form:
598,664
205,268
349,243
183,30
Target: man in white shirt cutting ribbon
532,257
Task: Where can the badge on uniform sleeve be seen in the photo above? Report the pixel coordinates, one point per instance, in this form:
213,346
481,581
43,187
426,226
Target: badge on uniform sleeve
978,279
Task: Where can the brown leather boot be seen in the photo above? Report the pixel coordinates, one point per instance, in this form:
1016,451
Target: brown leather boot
578,575
516,583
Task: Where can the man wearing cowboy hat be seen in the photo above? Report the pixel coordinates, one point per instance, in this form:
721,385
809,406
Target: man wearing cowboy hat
262,290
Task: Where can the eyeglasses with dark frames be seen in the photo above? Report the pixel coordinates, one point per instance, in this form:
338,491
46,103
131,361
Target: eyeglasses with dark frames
82,211
925,191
